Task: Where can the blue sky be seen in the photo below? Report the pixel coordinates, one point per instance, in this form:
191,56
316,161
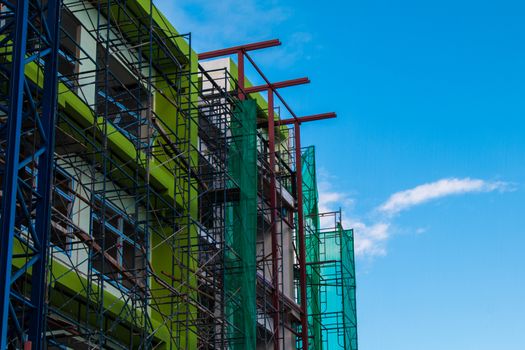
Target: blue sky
426,157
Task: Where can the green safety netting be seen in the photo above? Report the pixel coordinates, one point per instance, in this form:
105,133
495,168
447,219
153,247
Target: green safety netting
332,320
241,231
311,215
348,289
337,289
338,304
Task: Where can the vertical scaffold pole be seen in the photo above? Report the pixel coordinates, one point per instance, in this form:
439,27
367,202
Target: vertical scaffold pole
273,220
45,174
12,160
16,207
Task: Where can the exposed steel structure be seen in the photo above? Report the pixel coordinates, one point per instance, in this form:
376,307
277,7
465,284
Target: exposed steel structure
271,90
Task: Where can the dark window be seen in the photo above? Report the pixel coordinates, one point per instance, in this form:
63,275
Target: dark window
63,198
108,243
122,98
68,60
121,254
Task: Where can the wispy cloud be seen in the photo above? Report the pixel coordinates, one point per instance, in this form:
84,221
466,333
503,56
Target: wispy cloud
216,24
370,238
296,46
373,230
407,199
329,199
219,24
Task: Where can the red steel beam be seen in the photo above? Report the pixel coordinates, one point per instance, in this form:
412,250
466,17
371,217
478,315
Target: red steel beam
278,85
273,223
240,75
301,236
268,82
236,49
308,118
300,120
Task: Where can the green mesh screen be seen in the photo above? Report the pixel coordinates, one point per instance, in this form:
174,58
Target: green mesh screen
241,232
348,289
311,215
338,305
332,321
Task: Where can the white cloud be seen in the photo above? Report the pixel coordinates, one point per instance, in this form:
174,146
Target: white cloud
330,200
373,231
369,239
407,199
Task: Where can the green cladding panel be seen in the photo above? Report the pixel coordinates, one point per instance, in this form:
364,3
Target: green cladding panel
241,232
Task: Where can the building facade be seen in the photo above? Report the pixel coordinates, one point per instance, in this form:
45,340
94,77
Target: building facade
171,215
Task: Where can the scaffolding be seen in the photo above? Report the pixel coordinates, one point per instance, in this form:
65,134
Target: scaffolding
278,149
330,284
312,226
174,216
125,147
130,263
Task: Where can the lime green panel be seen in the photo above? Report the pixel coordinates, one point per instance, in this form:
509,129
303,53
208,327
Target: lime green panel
69,281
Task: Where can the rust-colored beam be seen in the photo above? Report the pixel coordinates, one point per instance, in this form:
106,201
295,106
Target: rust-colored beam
305,119
308,118
301,235
276,303
240,48
268,82
240,75
278,85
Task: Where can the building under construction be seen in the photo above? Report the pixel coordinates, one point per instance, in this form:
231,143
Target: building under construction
152,197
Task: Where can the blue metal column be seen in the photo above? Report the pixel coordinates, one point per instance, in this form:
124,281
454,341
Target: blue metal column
45,175
26,210
12,159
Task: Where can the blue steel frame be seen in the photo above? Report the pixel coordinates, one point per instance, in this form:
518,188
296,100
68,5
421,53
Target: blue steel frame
23,314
